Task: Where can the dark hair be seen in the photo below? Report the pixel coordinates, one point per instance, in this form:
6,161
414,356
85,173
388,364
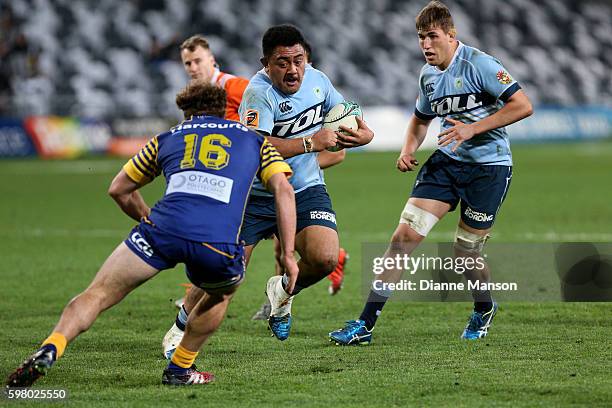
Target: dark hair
193,42
308,51
435,15
201,98
284,35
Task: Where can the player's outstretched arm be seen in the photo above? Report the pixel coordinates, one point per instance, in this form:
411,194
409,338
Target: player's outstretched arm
415,134
358,137
284,198
125,192
516,108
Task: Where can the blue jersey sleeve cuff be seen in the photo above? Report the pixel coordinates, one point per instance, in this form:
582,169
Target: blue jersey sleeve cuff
423,116
509,92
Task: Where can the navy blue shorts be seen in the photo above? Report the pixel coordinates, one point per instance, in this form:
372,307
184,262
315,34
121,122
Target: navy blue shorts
313,207
208,266
480,189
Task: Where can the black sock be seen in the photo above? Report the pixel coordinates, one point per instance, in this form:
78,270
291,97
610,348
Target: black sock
296,289
483,302
372,309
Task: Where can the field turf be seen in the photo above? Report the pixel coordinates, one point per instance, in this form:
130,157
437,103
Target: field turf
57,225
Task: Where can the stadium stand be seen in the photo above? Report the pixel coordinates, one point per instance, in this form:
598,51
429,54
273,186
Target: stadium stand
120,58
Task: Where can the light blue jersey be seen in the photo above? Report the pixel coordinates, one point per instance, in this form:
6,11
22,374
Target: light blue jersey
474,86
269,111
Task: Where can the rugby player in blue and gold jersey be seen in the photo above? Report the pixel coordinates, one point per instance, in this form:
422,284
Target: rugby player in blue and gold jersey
209,164
476,98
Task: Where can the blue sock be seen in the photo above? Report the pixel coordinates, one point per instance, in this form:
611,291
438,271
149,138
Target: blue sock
181,318
51,348
176,368
372,309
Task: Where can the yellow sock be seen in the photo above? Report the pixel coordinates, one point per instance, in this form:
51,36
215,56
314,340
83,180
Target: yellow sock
183,357
59,341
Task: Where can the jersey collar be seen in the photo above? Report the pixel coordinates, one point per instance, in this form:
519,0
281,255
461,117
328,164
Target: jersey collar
457,51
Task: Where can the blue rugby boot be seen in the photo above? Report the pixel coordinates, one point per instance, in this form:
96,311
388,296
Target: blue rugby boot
279,321
353,333
478,324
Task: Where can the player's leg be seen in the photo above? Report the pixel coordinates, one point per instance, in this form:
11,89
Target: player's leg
174,336
469,243
481,199
121,273
218,270
318,248
418,218
336,278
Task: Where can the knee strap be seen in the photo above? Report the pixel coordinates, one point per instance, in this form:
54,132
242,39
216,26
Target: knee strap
469,242
419,220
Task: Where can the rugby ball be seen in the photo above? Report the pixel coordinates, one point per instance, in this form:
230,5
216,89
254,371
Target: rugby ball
344,114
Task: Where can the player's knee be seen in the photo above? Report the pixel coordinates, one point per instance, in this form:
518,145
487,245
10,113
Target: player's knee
420,222
325,263
469,242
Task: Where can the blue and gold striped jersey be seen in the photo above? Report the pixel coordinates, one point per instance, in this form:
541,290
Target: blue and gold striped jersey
209,165
475,85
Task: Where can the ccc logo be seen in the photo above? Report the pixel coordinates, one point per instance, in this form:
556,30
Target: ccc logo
142,244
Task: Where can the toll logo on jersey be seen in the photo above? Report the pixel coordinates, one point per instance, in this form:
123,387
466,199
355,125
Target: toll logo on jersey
141,244
460,103
285,107
503,77
303,121
201,183
251,118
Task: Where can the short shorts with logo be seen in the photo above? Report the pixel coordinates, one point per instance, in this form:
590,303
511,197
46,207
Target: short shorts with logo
208,265
480,189
313,207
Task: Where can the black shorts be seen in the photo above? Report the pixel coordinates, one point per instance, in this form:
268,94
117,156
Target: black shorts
481,189
313,207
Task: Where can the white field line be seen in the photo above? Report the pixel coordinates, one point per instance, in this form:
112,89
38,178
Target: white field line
377,237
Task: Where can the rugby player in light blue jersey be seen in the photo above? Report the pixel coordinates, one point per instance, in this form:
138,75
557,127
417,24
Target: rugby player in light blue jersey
287,100
209,164
476,97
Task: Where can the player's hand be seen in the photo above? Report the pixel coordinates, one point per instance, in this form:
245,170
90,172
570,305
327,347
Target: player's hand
323,139
353,138
459,133
290,266
406,162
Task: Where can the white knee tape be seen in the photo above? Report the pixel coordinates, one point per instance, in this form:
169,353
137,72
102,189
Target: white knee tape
469,242
418,219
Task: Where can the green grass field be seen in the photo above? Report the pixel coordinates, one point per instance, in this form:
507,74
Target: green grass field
57,225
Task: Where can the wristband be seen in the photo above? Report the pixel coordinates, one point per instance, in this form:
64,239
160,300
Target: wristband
308,146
